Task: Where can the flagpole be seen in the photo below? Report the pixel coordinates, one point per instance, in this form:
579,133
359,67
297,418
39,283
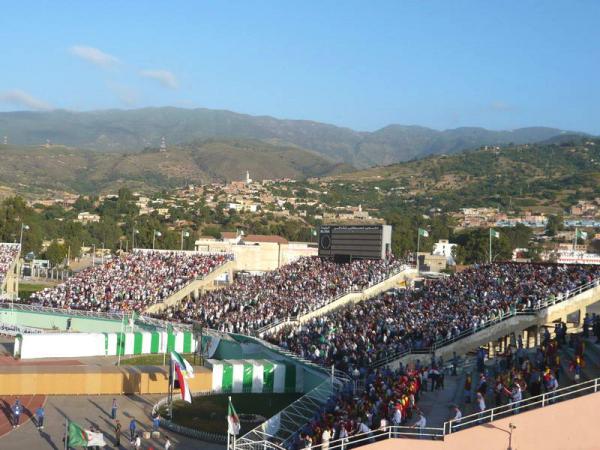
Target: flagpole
418,245
490,245
575,239
122,342
228,421
67,434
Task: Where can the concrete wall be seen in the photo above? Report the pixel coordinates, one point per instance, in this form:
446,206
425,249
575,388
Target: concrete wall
568,425
88,380
58,321
264,257
10,285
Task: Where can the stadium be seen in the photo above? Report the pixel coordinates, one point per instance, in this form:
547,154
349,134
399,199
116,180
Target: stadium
350,348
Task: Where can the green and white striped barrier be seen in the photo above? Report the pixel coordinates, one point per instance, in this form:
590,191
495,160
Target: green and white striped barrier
60,345
256,376
145,342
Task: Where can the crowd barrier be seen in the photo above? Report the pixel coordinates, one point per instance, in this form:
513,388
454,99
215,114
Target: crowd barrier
61,345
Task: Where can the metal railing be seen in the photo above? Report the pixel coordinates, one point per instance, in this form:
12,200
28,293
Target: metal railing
530,311
285,424
538,401
434,433
353,441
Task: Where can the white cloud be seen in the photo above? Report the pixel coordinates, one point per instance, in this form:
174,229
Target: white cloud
501,106
20,98
94,56
164,77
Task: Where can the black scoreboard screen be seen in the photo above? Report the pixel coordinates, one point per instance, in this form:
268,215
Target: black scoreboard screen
345,242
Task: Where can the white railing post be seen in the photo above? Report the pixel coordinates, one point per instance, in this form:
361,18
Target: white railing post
543,400
595,384
492,415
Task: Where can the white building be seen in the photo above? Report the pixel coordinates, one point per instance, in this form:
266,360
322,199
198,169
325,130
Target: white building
444,248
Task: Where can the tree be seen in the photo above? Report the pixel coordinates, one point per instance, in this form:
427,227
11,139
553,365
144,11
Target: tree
55,253
555,223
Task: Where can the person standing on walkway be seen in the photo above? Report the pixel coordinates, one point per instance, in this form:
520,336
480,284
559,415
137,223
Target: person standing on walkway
132,428
167,443
17,409
113,409
118,434
138,442
39,418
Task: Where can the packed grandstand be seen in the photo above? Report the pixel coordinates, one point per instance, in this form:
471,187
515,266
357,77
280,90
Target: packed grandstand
294,289
350,338
130,282
8,254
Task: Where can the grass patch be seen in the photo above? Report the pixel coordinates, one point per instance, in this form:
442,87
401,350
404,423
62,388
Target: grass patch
26,289
209,413
153,360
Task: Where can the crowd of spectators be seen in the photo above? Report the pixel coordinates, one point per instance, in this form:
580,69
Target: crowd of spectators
130,282
389,399
358,335
309,283
8,253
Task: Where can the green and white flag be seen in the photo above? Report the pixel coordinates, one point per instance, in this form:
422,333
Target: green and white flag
423,232
494,234
186,368
581,234
233,421
78,437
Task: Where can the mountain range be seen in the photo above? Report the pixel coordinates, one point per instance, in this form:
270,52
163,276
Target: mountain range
35,169
130,131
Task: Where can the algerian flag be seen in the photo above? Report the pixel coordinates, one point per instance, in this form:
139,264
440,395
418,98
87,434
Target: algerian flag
423,232
157,233
581,234
314,232
233,421
78,437
186,394
494,233
186,368
186,234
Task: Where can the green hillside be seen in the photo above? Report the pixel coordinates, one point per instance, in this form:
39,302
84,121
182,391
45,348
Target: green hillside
551,175
33,169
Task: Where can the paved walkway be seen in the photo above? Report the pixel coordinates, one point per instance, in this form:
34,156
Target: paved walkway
95,410
30,404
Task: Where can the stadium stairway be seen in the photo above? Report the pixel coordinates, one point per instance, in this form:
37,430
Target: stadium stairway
526,323
205,283
395,280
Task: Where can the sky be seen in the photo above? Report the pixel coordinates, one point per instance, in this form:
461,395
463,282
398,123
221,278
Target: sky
360,64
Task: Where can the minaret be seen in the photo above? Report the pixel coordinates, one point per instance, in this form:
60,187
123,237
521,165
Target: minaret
163,144
248,179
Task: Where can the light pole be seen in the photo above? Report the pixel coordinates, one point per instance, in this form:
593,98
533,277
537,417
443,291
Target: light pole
184,234
154,236
133,233
23,228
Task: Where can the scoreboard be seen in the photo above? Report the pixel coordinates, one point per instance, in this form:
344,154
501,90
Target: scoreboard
347,242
